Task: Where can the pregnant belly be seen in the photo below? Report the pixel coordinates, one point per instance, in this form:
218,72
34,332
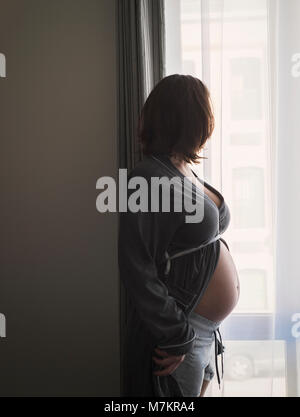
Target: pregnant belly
222,292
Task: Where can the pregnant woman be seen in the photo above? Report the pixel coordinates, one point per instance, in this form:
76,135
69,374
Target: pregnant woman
180,278
217,302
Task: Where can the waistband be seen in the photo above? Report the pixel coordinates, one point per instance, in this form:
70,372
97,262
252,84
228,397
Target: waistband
202,325
208,328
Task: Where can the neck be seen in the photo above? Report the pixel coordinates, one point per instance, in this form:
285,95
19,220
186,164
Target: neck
179,162
181,165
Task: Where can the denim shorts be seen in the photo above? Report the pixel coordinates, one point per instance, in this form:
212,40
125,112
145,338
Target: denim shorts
199,364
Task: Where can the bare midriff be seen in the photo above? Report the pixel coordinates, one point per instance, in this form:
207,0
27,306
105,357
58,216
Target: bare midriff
222,292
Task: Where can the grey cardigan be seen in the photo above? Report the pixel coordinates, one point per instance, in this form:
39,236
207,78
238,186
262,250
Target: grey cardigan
163,288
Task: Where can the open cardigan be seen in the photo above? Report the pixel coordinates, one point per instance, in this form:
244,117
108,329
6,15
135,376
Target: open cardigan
163,288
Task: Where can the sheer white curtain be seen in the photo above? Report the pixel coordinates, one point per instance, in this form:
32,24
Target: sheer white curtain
246,51
287,83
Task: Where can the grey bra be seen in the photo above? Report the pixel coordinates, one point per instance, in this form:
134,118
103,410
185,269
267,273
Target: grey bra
168,257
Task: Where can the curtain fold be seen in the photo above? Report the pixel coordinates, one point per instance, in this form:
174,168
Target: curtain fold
212,27
141,65
288,195
228,53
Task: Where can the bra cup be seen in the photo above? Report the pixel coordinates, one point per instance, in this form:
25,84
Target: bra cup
224,219
194,234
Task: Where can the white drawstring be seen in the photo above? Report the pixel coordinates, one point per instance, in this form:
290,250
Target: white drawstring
185,252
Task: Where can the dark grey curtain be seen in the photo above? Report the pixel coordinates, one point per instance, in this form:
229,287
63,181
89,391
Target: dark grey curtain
141,59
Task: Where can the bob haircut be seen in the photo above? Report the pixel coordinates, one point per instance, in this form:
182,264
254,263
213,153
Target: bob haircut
177,118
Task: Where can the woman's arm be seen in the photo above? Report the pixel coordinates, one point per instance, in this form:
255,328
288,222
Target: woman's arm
140,236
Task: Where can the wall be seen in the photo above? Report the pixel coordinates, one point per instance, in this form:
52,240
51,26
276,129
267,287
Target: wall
58,276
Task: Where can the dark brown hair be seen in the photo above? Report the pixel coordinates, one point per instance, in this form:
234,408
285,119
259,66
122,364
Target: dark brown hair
177,118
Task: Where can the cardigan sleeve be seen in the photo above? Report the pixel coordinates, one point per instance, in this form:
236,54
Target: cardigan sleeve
140,237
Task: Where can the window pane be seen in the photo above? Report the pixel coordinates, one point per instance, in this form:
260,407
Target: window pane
246,139
248,197
246,99
254,290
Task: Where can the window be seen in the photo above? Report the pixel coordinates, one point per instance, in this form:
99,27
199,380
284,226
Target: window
228,48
